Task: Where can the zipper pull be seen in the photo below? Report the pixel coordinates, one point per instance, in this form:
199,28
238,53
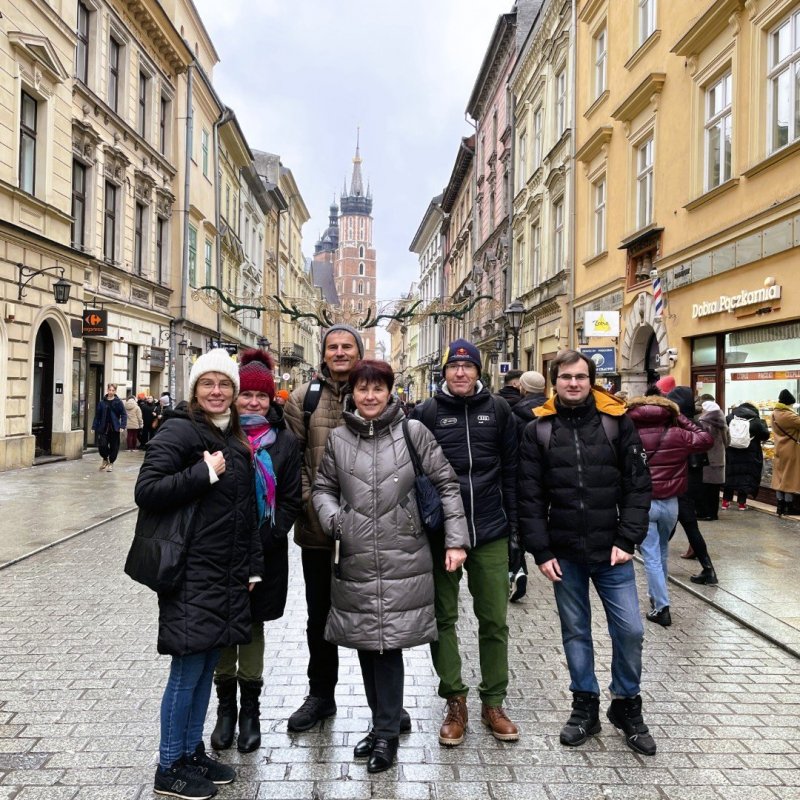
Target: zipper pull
371,429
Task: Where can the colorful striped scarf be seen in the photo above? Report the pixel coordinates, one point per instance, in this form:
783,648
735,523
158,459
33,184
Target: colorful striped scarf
261,436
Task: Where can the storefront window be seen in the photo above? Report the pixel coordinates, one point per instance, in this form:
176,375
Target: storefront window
704,351
77,390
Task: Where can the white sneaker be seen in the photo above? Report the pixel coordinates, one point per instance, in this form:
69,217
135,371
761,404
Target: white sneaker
518,587
110,468
104,464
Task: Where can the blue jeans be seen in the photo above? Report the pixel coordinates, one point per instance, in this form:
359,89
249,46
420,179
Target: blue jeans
655,549
616,587
184,705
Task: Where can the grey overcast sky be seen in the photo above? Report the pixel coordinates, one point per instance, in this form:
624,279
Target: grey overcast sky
302,76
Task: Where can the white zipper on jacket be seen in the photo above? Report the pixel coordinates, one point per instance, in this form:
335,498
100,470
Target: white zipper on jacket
474,533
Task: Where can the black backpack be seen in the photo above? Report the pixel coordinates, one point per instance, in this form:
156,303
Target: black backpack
544,430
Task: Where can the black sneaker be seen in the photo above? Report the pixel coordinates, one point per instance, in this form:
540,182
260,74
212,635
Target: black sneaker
183,781
626,715
584,721
663,617
311,712
405,721
211,769
518,586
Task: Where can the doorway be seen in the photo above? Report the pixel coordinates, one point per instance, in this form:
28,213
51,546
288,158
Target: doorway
42,408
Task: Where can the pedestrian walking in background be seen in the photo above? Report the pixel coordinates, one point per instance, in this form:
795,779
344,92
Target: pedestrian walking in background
584,494
786,461
200,465
706,493
531,387
276,462
133,425
109,419
669,438
744,460
312,412
382,585
511,391
479,439
711,420
147,407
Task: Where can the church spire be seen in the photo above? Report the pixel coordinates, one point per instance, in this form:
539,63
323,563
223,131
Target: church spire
357,182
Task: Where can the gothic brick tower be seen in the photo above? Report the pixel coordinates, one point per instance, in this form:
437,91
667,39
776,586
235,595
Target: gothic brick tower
354,265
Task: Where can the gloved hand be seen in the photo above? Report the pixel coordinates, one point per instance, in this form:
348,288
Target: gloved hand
709,406
515,550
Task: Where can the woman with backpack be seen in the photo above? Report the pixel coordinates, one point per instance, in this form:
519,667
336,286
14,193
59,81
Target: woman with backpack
744,460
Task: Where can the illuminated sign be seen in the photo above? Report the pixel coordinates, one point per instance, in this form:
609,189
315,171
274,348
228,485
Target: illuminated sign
729,302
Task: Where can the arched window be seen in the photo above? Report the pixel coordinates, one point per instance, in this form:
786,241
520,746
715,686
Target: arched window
361,252
360,305
360,287
361,267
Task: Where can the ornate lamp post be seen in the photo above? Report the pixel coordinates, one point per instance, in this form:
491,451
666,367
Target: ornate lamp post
515,313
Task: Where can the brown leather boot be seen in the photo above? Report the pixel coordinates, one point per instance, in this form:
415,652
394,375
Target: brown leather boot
502,727
455,722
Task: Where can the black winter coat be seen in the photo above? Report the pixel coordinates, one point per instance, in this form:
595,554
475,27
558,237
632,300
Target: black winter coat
743,465
268,598
212,607
511,395
581,496
479,439
523,411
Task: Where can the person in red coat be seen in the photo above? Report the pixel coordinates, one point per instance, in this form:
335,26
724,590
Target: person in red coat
669,438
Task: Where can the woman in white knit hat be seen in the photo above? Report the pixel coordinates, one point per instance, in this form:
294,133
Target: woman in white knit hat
200,466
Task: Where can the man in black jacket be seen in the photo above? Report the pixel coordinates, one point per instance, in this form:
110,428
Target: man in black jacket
479,438
584,489
511,391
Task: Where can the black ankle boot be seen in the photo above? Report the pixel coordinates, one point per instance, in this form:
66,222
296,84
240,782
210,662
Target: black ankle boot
222,737
781,508
383,754
584,721
708,575
249,722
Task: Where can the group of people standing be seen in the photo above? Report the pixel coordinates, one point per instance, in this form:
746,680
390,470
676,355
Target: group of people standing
577,480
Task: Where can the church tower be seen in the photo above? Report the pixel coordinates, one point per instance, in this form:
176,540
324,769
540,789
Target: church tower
354,266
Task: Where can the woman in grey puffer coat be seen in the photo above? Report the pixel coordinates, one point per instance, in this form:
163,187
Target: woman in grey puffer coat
382,587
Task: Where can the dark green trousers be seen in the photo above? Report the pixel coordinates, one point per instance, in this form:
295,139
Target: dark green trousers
487,581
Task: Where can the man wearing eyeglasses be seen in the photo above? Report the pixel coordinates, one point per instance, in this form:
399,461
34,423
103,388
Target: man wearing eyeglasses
478,436
584,489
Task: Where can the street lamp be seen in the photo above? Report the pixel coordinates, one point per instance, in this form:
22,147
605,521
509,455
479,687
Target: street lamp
515,313
61,288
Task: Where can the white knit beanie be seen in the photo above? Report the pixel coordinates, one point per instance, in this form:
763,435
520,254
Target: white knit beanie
216,360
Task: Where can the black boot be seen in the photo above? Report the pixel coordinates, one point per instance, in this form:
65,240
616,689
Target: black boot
222,737
708,575
625,713
249,722
781,509
584,721
383,754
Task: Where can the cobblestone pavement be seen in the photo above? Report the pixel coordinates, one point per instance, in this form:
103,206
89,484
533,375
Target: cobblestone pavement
80,685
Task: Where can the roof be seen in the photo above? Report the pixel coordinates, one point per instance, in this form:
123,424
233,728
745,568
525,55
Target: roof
322,277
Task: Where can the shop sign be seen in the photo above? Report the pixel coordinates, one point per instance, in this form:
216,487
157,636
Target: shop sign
729,302
601,323
158,358
605,358
766,375
95,322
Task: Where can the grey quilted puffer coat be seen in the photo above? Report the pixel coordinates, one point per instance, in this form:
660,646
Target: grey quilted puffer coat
382,592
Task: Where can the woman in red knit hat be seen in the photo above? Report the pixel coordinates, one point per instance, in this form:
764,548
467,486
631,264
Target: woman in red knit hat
276,461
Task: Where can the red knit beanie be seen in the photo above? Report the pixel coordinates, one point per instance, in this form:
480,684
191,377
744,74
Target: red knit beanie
255,372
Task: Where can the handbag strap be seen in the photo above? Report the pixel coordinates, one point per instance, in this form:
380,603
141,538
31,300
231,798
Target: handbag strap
412,450
785,433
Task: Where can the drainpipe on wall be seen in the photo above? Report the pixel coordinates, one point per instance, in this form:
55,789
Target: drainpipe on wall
572,178
225,116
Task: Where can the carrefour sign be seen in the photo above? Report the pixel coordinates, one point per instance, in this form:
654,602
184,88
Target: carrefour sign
729,302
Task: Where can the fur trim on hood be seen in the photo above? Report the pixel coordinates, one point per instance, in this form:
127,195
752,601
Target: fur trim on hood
654,400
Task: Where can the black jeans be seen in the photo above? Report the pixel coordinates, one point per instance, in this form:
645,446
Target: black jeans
323,657
687,516
383,684
111,448
741,495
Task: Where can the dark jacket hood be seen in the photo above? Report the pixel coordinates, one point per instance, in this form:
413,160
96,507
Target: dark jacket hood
683,397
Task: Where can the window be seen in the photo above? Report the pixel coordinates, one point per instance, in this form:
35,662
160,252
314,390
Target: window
192,256
228,202
138,239
110,222
600,62
360,287
644,183
82,47
718,131
78,204
536,254
161,248
784,82
561,102
114,48
141,120
521,262
204,149
208,254
558,236
361,268
163,122
27,144
521,162
361,251
537,138
492,200
647,19
132,370
599,191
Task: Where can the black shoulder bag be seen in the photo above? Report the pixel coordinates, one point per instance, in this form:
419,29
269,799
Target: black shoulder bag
428,501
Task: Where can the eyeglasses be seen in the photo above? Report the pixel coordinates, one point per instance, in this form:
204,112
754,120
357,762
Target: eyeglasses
223,386
567,378
467,368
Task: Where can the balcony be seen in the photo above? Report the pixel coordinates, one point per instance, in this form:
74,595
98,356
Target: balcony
293,355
